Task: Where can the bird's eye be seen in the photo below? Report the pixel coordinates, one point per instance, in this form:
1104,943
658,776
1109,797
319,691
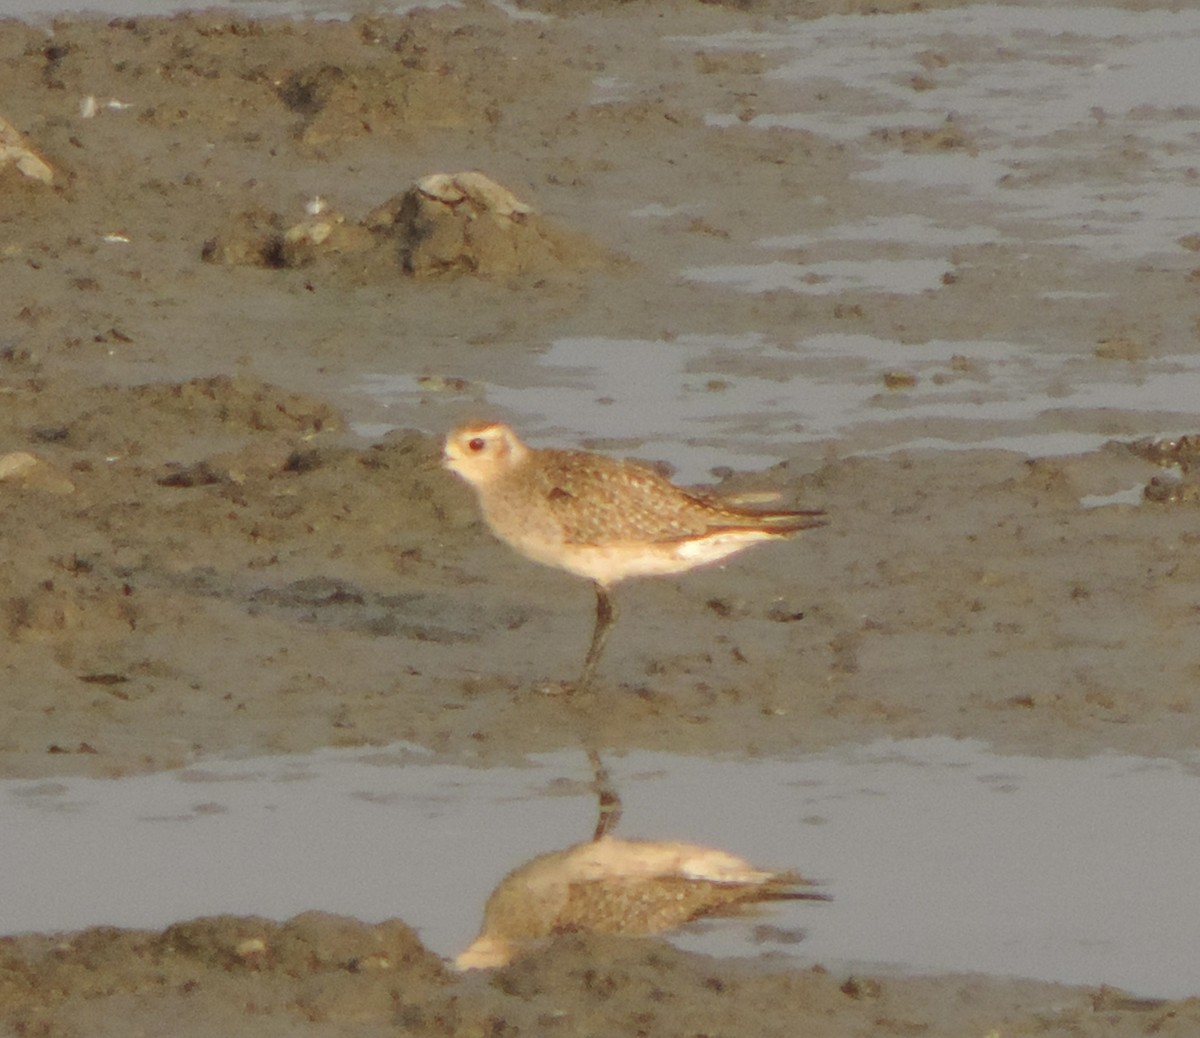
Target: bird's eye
477,444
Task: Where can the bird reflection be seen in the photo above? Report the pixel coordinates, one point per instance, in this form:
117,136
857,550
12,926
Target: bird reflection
608,800
610,885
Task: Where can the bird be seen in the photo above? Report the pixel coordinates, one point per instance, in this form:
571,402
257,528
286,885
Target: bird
602,518
623,887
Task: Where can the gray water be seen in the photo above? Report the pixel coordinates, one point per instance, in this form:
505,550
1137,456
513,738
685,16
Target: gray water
940,855
1087,80
1046,91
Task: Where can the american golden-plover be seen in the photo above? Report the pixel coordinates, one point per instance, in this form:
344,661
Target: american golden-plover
601,518
626,887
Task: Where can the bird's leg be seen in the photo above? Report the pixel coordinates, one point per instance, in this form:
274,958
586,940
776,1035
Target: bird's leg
605,615
609,800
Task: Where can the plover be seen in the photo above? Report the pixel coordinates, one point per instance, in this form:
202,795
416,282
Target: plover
601,518
626,887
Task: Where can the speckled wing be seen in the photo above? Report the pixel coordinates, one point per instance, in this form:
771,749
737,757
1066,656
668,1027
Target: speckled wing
598,500
648,905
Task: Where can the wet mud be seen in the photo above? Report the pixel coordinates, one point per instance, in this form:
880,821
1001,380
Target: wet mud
202,557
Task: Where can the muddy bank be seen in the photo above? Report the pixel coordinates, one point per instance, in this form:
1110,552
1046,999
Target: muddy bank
202,557
328,975
167,600
209,566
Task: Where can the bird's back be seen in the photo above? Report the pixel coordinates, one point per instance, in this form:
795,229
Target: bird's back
597,500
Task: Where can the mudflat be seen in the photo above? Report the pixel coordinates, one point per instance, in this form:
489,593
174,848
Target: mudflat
202,556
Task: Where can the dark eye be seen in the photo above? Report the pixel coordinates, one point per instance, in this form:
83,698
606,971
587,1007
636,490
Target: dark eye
477,444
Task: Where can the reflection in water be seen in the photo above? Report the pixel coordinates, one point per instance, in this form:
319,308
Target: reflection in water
940,855
608,800
630,888
625,887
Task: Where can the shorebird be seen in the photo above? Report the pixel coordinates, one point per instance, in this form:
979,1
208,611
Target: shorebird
626,887
601,518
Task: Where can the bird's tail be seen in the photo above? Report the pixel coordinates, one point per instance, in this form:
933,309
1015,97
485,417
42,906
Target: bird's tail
780,524
792,522
791,886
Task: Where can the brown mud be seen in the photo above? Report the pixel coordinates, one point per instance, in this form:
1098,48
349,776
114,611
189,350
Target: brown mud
200,557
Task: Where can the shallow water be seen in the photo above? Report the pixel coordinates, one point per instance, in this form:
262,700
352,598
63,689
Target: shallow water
940,855
706,401
1045,95
1093,72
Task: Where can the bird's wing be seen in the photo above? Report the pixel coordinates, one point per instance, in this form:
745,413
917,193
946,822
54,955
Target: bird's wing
597,500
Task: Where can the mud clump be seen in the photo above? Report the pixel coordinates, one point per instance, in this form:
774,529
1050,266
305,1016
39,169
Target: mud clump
321,967
1180,457
445,224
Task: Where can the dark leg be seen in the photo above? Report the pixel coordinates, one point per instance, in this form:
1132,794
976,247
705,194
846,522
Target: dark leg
605,615
607,795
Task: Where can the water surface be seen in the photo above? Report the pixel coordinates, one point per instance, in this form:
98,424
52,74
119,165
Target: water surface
940,855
